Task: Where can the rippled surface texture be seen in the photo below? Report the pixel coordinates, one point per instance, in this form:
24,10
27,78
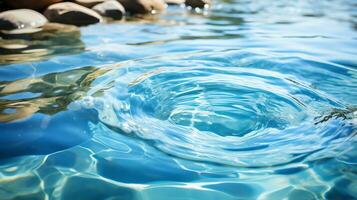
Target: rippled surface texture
249,100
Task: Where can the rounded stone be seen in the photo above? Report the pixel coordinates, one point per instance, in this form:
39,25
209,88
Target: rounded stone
143,6
111,8
71,13
175,2
197,3
21,21
88,3
13,46
31,4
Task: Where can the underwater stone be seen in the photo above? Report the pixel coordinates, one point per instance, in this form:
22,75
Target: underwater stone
21,21
71,13
112,9
143,6
31,4
50,40
197,3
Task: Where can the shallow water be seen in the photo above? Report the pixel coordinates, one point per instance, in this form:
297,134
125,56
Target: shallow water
247,100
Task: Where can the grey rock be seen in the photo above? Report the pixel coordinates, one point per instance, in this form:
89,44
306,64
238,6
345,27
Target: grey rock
197,3
71,13
143,6
21,21
111,8
31,4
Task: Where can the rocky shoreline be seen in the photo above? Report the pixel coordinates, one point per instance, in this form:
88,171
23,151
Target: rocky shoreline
30,16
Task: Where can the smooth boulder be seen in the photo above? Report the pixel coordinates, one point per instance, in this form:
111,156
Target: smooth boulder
31,4
175,2
197,3
111,8
21,21
71,13
88,3
143,6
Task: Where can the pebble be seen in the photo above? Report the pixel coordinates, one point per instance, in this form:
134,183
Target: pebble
13,46
88,3
143,6
111,8
71,13
175,2
21,21
198,3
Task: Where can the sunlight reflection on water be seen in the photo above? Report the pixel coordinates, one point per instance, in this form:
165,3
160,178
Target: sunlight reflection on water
251,100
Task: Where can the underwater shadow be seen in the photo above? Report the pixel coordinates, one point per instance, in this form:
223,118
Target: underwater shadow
53,40
34,114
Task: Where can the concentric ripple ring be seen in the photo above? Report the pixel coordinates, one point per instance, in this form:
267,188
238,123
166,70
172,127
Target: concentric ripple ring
216,108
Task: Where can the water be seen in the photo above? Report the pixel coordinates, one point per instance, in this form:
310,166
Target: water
248,100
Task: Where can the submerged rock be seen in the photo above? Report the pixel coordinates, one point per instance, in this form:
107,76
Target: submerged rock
111,8
143,6
71,13
54,39
88,3
197,3
21,21
31,4
55,92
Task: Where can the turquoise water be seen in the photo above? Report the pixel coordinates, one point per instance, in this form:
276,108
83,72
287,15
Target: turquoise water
247,100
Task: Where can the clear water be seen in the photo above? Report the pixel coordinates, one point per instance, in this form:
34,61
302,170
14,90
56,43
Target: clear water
249,100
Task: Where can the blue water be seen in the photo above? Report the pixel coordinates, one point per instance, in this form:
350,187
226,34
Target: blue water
246,100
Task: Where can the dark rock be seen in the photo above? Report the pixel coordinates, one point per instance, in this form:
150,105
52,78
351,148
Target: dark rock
143,6
112,9
71,13
21,21
197,3
31,4
175,2
88,3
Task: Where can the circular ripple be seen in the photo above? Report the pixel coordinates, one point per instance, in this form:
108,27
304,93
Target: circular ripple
224,104
220,110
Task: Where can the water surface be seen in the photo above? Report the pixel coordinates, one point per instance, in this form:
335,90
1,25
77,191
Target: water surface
247,100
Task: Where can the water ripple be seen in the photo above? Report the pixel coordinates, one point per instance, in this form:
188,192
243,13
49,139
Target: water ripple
236,102
214,107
